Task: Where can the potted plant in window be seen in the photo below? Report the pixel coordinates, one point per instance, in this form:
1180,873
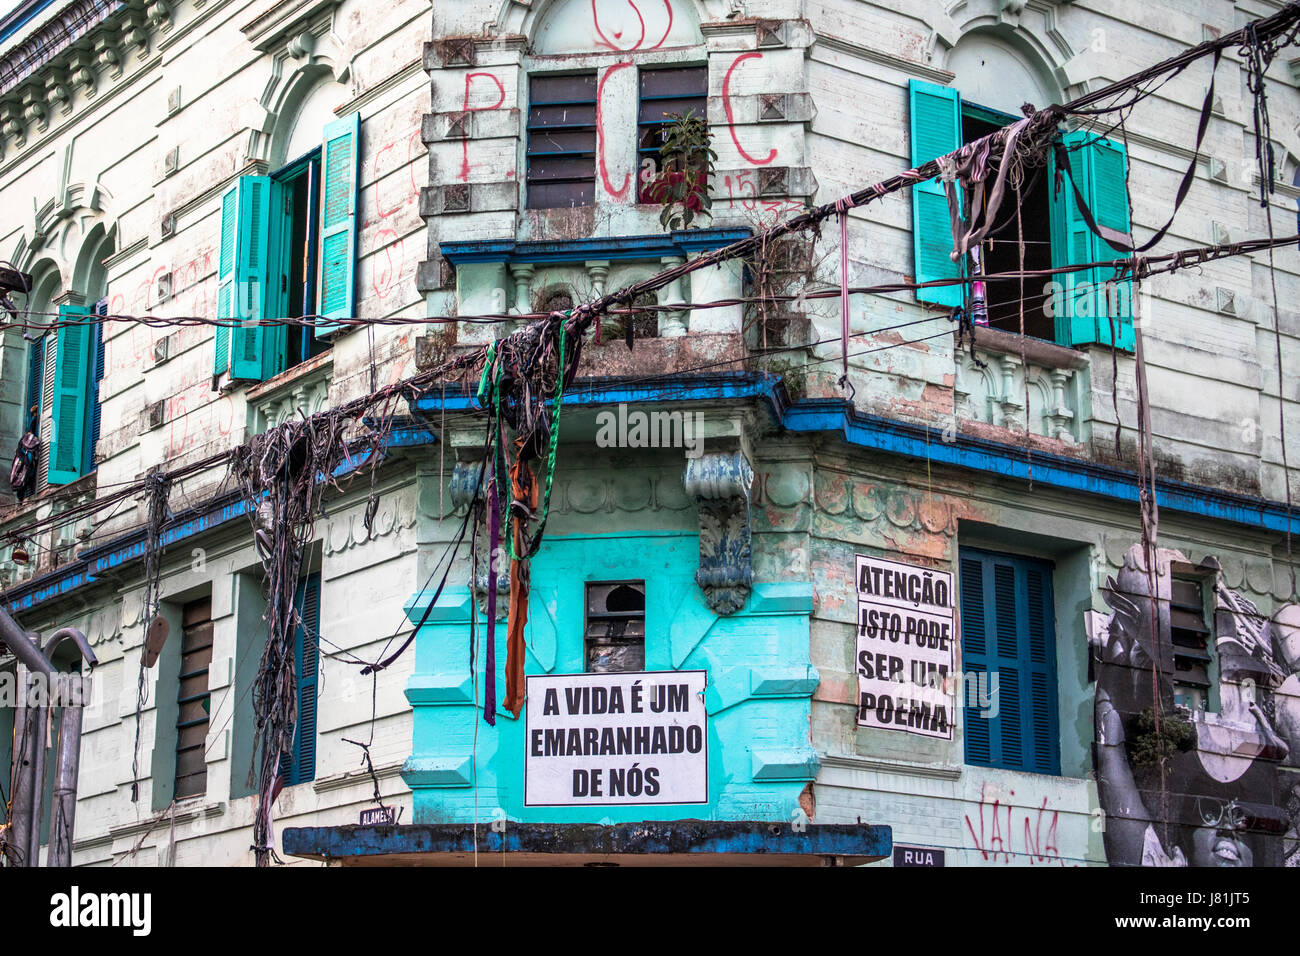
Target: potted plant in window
682,184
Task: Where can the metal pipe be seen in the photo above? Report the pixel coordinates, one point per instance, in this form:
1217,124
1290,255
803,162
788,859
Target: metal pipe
21,643
40,728
63,811
28,779
21,806
67,764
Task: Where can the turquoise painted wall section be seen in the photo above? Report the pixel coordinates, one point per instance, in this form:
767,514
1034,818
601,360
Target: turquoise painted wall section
761,681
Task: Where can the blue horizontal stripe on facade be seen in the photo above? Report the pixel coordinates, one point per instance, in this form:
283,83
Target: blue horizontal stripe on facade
577,250
808,416
651,838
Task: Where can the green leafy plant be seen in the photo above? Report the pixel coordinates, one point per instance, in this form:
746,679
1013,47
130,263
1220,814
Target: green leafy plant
1149,749
682,184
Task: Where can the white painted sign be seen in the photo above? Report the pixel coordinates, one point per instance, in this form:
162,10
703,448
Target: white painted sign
611,739
905,648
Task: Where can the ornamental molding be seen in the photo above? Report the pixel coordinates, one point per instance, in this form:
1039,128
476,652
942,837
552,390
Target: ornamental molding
720,483
71,59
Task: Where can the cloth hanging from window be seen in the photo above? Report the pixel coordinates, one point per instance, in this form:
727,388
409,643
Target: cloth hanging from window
524,500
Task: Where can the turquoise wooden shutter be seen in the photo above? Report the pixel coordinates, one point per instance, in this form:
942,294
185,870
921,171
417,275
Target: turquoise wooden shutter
338,234
1098,166
936,131
248,357
226,277
242,279
1008,629
69,416
301,765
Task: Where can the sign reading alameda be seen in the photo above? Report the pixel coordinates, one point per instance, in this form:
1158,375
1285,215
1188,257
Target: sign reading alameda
633,738
905,647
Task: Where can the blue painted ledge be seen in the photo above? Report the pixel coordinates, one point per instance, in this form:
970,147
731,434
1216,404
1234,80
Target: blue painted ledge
654,246
657,841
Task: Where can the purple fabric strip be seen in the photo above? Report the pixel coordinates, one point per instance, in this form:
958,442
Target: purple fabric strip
490,644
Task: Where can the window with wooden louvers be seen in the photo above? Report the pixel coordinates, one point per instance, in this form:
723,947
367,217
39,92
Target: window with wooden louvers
1008,642
680,91
299,766
562,141
194,700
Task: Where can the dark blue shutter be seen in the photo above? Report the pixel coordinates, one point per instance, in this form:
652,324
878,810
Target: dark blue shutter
302,762
35,382
1008,629
96,376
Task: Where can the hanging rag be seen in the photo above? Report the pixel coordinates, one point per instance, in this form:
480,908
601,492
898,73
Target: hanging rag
490,643
970,165
523,489
842,207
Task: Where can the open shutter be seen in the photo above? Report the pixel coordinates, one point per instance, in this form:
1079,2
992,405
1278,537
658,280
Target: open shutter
226,277
35,380
248,358
1007,629
68,409
936,131
338,233
242,278
1098,166
302,762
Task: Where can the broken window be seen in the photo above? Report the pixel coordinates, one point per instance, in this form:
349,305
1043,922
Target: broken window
615,632
1190,635
562,141
680,91
194,699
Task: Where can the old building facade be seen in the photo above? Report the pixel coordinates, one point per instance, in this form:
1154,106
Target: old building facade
729,500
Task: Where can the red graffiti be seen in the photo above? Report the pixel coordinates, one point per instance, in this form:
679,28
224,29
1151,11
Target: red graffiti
386,271
731,119
501,98
379,204
186,430
996,844
600,136
603,40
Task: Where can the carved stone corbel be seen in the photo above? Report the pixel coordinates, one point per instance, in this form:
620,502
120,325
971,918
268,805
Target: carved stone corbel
81,71
58,92
34,110
107,53
464,482
720,484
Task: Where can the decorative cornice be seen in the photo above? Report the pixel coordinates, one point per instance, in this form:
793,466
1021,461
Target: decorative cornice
282,21
64,61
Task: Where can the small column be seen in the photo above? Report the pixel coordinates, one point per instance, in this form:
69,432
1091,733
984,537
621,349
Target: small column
1061,416
522,274
597,272
1011,400
672,324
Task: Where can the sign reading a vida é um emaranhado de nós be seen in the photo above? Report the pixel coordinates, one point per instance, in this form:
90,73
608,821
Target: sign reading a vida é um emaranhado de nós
617,738
905,647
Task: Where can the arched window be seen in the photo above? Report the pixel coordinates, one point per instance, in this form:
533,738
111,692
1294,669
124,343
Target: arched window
288,239
995,74
582,103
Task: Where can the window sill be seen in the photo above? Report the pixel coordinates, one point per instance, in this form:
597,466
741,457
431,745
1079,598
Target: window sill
1036,351
261,390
